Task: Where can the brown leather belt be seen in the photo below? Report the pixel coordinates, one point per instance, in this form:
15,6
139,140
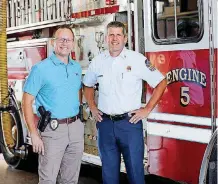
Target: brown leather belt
67,120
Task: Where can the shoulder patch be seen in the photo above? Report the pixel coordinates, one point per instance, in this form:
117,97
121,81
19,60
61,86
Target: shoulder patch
149,65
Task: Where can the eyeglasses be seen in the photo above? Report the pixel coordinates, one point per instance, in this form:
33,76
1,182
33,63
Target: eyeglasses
62,40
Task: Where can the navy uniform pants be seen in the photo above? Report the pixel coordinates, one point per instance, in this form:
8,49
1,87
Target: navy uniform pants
114,138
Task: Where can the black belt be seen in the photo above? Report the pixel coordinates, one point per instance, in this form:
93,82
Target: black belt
116,117
66,120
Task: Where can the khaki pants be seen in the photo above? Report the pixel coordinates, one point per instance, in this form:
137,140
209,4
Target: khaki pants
63,153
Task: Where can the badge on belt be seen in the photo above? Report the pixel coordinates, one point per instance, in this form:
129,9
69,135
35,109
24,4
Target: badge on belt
54,124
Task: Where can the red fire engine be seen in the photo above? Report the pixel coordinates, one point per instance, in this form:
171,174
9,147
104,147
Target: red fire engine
180,39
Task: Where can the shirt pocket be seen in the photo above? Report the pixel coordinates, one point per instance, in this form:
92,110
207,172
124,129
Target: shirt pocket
104,83
128,78
128,82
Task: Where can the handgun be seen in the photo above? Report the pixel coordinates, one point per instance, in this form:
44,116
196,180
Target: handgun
44,119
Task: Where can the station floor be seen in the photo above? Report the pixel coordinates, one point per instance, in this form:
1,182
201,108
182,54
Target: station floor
88,175
9,175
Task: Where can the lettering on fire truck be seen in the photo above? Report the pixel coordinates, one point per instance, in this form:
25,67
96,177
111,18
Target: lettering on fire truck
188,75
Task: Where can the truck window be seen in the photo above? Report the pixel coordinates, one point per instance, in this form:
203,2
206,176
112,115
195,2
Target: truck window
177,21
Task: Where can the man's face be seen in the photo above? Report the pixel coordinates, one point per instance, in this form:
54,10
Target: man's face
116,40
63,42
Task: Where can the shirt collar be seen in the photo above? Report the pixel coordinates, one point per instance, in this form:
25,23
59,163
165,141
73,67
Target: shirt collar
57,61
122,54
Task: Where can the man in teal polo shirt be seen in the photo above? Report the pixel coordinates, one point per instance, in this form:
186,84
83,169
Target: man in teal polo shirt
55,84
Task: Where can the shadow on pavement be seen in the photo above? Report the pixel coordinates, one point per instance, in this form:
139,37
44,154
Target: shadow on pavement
92,175
153,179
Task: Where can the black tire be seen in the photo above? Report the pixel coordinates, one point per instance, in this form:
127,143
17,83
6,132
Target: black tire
208,172
30,161
212,166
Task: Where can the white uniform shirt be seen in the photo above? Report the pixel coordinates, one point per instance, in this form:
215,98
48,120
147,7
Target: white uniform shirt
120,80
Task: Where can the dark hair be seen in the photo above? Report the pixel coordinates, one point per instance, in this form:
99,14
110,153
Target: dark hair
118,25
65,26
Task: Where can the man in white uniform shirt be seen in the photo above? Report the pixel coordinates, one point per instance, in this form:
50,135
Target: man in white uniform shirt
119,114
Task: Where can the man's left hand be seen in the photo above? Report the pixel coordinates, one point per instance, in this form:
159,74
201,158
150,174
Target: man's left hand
139,114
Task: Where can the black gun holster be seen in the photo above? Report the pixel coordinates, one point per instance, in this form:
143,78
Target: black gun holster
81,113
44,119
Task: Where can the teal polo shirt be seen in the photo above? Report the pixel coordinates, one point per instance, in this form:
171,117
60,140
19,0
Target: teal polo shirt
55,85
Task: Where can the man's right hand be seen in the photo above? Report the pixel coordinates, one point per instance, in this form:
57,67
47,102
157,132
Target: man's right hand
96,114
38,146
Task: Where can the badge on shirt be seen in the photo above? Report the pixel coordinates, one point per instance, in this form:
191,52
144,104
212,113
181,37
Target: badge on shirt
149,65
128,68
54,124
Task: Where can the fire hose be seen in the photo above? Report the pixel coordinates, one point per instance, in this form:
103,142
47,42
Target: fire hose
5,119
